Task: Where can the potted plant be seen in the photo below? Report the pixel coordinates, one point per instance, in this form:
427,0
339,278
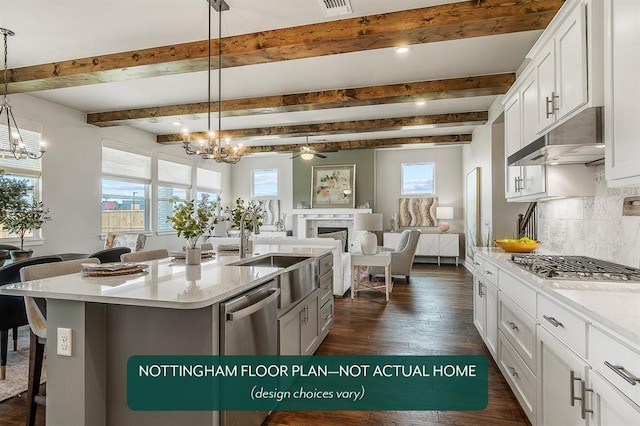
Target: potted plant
235,214
192,220
18,214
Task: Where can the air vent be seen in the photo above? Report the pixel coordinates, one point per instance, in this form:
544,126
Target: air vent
336,7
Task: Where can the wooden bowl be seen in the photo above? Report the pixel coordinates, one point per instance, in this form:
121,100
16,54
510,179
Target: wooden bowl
517,246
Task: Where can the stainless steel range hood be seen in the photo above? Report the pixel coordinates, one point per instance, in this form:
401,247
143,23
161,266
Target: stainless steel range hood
577,141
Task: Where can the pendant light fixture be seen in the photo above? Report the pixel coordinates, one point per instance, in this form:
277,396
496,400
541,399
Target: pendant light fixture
213,147
14,144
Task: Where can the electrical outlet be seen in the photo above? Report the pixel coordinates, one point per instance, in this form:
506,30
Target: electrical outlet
64,341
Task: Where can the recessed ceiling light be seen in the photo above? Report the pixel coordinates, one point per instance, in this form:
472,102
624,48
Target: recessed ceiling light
402,49
177,123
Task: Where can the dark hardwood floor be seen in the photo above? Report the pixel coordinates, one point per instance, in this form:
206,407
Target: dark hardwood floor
433,315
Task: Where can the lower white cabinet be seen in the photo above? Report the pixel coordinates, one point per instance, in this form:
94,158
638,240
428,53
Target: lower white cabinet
521,380
563,395
485,312
299,328
610,406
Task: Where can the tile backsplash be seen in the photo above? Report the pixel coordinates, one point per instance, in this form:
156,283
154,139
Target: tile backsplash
592,226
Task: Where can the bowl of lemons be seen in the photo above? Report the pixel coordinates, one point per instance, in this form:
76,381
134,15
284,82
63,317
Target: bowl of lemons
523,245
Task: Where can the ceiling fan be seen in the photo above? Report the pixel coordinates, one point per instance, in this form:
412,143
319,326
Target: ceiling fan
307,153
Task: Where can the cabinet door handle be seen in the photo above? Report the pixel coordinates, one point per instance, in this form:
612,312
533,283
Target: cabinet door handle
554,106
583,394
516,186
480,293
549,102
553,321
573,378
513,371
513,325
620,371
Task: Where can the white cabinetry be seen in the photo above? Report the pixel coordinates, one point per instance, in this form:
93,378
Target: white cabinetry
611,407
437,245
561,68
622,91
563,395
485,306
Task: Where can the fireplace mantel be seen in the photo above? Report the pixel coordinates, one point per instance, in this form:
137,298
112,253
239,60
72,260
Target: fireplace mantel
307,221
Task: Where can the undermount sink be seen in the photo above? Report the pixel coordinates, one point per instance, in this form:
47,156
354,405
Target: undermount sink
278,261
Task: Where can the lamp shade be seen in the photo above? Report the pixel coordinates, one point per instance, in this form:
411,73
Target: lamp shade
368,222
444,212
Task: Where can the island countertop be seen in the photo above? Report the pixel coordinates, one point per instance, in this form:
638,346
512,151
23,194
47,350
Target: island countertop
167,283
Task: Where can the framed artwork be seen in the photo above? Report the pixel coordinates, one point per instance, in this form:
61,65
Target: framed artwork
271,208
333,186
472,219
417,211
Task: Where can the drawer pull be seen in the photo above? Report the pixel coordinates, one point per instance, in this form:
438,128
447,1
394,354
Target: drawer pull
583,405
513,371
488,272
553,321
573,378
476,263
513,326
620,371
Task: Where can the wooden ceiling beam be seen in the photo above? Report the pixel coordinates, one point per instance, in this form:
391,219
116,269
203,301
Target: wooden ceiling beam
343,127
454,21
362,144
484,85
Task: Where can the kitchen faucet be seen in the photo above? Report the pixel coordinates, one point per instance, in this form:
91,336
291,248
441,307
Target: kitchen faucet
256,230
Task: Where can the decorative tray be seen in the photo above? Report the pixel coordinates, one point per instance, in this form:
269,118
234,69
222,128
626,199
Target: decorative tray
112,269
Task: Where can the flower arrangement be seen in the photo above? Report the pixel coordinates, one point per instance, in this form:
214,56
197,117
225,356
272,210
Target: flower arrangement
193,219
235,213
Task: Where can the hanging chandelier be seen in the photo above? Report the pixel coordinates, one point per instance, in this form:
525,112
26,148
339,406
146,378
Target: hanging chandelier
14,144
213,147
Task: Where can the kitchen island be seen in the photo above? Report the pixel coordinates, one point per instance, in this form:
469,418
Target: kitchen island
170,309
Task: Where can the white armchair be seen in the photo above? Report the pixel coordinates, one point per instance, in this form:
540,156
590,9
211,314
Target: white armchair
402,257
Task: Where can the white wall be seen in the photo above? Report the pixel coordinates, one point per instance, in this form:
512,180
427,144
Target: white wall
448,180
71,175
241,180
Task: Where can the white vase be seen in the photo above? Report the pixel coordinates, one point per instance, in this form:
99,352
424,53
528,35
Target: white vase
368,243
193,256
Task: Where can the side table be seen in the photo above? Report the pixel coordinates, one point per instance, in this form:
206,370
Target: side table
381,258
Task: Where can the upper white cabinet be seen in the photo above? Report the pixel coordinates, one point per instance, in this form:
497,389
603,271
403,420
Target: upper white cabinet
622,91
561,68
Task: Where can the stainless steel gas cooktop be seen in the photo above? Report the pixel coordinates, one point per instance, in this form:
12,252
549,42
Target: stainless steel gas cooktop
575,268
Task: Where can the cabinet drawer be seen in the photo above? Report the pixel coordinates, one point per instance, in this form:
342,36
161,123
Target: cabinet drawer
325,263
478,265
620,361
326,317
566,326
326,287
523,295
519,328
520,379
490,272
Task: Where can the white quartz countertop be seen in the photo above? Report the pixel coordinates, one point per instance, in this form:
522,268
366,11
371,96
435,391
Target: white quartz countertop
167,283
613,304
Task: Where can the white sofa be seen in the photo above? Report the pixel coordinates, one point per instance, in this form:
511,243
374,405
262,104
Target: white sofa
341,260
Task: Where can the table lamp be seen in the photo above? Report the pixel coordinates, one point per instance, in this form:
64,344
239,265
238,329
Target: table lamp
444,213
368,222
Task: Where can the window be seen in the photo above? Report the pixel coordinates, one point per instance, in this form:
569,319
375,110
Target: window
209,184
264,182
126,177
418,178
24,169
174,180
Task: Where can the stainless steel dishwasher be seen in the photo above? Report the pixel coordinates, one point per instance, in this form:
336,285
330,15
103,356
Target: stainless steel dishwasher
249,326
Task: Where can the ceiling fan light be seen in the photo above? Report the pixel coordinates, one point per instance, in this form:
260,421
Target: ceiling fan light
307,156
